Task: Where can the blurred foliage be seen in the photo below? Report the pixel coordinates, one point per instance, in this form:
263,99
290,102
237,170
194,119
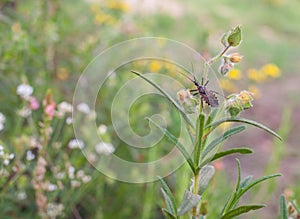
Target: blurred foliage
47,44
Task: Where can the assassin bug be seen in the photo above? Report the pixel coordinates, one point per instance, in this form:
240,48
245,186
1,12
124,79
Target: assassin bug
206,95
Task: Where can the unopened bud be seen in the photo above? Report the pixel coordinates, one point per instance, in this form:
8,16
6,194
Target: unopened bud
225,68
235,58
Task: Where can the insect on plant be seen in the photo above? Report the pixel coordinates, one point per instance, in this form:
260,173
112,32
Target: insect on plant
205,94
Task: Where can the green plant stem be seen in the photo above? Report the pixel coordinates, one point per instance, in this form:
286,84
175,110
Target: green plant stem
195,191
212,60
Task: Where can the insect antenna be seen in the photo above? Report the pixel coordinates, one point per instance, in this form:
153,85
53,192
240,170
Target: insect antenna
188,77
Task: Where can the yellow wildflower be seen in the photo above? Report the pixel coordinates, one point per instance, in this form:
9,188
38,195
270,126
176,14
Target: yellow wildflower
118,5
155,66
256,75
234,74
102,18
95,8
271,70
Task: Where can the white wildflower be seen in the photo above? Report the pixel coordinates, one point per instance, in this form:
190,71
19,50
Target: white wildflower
102,129
71,172
104,148
6,162
29,155
24,91
84,108
52,187
1,153
76,143
86,179
2,121
69,120
21,195
63,108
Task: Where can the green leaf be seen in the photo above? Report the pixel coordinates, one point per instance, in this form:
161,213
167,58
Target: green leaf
232,151
206,173
170,200
167,214
211,116
283,208
246,121
179,146
235,36
239,176
255,182
241,210
199,135
245,182
189,201
177,106
217,141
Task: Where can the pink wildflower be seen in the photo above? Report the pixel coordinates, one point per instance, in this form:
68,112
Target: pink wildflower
33,103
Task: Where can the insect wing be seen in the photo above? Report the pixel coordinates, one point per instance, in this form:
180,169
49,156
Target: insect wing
212,99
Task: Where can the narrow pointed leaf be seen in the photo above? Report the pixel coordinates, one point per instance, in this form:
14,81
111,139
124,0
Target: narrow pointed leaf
168,201
179,146
199,134
177,106
245,182
211,116
246,121
189,201
232,151
255,182
283,208
169,196
239,176
206,173
241,210
167,214
217,141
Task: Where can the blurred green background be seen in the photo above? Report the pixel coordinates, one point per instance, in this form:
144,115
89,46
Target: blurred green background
48,44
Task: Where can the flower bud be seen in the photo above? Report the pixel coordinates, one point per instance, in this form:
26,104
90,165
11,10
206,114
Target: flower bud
225,68
236,103
235,58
